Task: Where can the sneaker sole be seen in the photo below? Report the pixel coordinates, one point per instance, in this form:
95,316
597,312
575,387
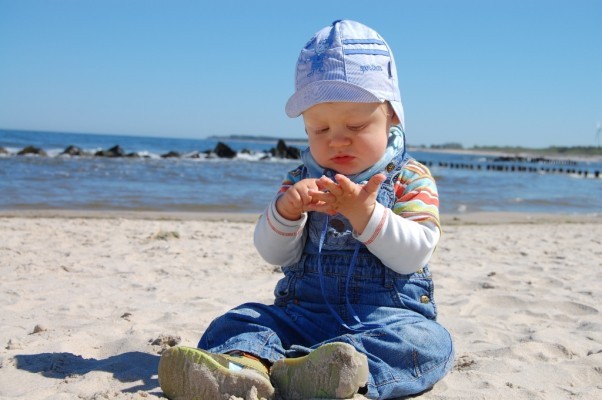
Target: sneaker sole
333,371
187,373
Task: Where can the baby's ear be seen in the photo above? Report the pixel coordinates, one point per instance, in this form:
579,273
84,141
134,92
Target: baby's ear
394,118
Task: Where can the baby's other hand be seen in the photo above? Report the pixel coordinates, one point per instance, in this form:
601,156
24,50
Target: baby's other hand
297,199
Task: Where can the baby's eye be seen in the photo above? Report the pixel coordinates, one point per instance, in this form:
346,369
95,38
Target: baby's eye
321,130
356,128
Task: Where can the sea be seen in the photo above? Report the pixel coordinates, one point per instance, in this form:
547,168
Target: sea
192,182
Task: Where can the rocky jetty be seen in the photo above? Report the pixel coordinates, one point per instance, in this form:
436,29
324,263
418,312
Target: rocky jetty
31,150
284,151
221,150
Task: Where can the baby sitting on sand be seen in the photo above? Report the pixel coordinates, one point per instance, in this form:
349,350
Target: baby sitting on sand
354,228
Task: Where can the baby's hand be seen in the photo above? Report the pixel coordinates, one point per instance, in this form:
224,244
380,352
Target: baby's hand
356,202
297,199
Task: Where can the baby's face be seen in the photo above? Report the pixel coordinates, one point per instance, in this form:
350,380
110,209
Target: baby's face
348,137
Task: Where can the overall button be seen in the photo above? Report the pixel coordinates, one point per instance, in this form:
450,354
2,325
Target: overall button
424,299
420,271
337,225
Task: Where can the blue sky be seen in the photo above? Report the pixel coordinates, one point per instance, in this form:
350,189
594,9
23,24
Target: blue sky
511,72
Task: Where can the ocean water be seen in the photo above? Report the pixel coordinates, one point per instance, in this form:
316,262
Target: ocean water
246,183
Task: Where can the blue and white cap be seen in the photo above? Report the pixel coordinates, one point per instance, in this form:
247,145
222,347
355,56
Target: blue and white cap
345,62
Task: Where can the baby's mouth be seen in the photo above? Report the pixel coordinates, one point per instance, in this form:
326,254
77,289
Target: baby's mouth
342,159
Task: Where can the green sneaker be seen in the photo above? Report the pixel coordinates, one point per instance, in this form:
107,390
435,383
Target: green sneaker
333,371
186,373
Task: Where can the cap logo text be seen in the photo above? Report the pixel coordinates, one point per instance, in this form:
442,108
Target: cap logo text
370,67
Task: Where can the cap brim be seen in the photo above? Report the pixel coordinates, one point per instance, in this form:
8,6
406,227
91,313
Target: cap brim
325,92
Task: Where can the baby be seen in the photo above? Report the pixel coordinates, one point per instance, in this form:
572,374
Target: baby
353,227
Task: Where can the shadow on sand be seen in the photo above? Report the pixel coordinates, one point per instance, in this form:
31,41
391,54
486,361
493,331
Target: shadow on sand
127,367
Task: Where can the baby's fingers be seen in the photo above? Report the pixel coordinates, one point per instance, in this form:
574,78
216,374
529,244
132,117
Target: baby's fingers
321,197
328,185
346,185
374,183
324,182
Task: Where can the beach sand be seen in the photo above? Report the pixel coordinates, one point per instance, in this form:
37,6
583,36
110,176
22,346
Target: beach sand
89,300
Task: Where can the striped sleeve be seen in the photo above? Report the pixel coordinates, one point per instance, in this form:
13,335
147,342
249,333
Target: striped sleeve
292,177
416,193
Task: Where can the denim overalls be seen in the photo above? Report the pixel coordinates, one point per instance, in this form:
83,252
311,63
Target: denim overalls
388,316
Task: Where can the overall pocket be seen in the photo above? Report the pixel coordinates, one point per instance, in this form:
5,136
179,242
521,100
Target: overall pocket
284,291
415,292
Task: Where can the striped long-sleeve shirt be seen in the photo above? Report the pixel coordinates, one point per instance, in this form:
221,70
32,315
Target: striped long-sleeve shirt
403,237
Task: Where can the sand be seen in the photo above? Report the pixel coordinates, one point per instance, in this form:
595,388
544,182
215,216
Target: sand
89,300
